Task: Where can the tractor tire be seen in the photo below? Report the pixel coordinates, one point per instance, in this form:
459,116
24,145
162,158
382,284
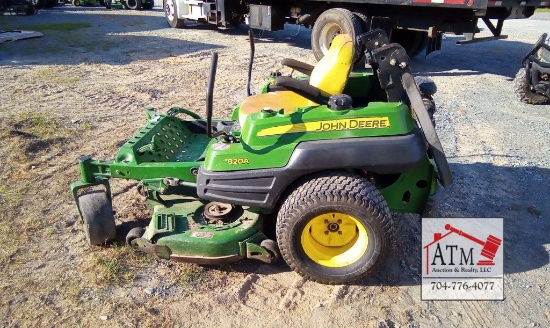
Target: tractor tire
334,228
414,42
524,92
133,4
97,213
149,5
330,23
76,3
171,13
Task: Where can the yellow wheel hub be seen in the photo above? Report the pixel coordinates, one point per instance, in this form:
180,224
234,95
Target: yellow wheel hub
334,239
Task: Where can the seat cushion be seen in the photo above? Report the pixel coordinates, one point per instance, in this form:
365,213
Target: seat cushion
286,100
331,72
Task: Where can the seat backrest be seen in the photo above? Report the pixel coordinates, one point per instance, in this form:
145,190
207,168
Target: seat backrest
331,72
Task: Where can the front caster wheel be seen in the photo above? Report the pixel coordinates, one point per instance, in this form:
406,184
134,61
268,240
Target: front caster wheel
134,234
97,213
271,247
334,228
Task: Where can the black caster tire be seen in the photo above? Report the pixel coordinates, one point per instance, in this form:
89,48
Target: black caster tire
97,213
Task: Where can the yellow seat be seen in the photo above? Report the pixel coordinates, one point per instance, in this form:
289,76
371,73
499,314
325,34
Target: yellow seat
329,75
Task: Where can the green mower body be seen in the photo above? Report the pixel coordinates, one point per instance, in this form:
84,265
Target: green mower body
212,197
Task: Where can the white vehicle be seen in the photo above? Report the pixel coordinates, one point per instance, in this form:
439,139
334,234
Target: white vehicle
417,25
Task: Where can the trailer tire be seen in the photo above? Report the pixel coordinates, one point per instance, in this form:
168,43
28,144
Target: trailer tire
76,3
134,4
334,228
97,213
414,42
171,13
330,23
524,92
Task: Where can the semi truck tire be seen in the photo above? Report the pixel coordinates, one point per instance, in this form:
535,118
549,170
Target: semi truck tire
412,41
171,13
134,4
331,23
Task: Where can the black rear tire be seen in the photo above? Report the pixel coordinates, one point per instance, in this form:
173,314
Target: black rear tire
171,13
362,222
330,23
97,213
134,4
524,92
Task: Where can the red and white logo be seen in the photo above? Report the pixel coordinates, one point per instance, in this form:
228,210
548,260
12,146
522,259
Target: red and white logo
462,258
489,250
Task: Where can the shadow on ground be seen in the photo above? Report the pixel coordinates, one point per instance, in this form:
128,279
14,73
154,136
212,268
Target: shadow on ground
499,57
480,191
99,36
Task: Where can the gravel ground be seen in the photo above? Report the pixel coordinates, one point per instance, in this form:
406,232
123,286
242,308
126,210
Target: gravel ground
89,85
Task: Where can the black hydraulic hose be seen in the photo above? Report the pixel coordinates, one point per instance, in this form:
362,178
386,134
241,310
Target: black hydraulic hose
210,94
251,38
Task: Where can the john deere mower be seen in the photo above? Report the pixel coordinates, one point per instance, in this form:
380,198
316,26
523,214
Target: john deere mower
532,82
321,159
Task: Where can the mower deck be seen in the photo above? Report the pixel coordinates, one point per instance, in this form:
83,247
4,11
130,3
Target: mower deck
193,230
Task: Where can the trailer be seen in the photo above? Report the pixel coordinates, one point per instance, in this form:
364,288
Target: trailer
418,25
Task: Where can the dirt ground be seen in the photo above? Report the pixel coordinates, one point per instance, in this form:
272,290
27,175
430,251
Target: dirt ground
81,89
